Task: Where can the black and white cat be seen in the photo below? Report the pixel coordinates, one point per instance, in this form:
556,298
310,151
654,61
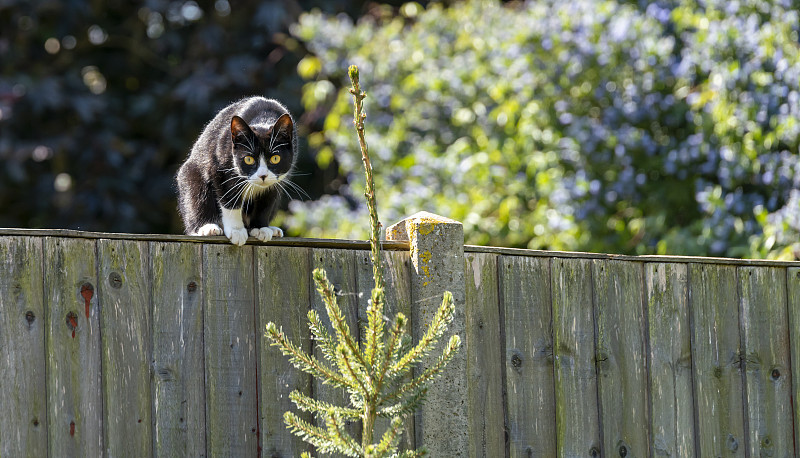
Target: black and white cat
230,181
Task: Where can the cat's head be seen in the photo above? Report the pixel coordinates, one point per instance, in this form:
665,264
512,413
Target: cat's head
264,157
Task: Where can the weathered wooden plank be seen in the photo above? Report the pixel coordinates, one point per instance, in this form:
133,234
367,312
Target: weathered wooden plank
396,266
621,357
125,330
74,389
340,267
575,374
768,380
230,353
486,417
530,393
717,369
282,284
23,423
671,403
793,300
178,383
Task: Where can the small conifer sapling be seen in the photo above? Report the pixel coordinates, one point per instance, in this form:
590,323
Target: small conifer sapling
374,372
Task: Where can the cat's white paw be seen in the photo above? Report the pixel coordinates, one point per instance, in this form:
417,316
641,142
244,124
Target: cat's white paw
237,236
265,234
262,233
209,229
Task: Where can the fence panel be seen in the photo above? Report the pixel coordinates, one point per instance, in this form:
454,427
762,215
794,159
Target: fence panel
340,268
484,356
179,379
153,344
577,410
717,377
530,393
282,283
124,296
671,403
765,328
230,353
74,382
23,424
621,357
793,300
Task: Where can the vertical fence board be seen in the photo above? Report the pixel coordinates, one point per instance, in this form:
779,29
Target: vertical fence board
282,282
530,395
178,383
230,353
74,389
396,266
575,375
621,355
484,354
767,368
714,300
793,290
125,331
23,423
340,268
672,420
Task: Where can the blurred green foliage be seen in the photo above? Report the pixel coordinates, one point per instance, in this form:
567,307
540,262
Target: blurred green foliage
100,102
668,127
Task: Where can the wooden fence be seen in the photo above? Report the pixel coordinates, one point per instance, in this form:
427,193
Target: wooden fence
134,345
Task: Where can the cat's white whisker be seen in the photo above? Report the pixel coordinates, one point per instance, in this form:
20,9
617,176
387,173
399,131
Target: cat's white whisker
271,139
237,185
281,188
273,148
246,198
239,188
300,191
231,178
250,143
286,190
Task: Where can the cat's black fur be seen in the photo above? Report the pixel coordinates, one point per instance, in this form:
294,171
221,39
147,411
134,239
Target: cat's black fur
211,178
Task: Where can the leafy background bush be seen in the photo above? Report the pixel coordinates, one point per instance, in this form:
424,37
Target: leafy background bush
666,127
587,125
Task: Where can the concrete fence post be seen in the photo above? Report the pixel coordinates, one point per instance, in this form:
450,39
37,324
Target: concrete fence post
437,253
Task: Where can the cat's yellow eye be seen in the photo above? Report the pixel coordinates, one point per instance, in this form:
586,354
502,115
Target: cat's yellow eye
274,159
249,160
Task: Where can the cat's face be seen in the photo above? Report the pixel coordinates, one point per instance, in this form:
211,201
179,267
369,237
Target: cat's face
263,157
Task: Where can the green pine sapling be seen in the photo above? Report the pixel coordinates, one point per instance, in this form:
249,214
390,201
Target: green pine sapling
374,372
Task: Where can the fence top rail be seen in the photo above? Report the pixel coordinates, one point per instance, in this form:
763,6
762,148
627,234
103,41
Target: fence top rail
281,241
621,257
387,245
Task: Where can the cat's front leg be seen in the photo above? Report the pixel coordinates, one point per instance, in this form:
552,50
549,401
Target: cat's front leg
233,226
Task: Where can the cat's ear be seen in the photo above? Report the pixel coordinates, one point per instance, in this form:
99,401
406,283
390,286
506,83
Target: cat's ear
283,127
239,127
